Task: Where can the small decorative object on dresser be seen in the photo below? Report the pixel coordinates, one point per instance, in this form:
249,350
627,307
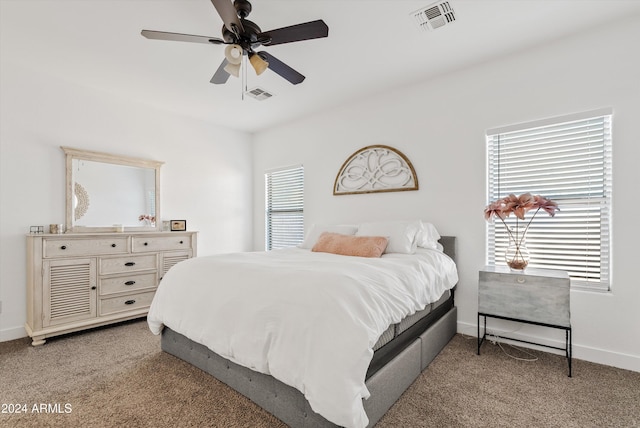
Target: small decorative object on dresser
539,297
77,281
517,254
178,225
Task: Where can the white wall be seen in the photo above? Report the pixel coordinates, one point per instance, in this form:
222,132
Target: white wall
206,178
440,125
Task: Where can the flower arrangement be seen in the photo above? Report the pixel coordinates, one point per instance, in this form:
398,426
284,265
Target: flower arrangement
516,257
148,219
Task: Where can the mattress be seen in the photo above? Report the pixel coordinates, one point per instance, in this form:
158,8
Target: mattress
396,329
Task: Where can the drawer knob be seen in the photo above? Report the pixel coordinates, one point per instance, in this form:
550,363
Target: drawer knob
146,243
113,245
64,247
520,280
182,242
129,302
130,264
94,287
129,283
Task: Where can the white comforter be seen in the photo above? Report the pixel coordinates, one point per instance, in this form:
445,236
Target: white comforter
309,319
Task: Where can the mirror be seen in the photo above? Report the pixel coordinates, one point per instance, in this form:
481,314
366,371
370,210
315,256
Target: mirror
111,193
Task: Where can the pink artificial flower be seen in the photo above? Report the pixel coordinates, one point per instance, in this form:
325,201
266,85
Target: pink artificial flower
522,204
495,209
547,205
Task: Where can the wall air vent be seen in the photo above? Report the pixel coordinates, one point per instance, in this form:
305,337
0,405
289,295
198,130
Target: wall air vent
259,94
434,16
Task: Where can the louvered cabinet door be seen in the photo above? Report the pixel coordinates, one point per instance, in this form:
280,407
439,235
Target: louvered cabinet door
171,258
69,291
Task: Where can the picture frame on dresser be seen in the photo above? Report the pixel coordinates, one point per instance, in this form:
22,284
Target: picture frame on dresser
178,225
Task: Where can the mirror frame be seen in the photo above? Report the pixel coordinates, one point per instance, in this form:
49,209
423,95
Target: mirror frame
72,153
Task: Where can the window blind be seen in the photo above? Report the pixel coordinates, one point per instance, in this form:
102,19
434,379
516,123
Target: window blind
567,160
284,190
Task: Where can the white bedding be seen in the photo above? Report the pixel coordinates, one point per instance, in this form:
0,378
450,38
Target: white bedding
308,319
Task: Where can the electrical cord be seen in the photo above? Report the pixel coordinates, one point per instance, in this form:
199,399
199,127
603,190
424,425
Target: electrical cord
496,341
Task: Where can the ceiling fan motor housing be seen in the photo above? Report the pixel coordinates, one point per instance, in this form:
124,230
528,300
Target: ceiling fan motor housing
248,39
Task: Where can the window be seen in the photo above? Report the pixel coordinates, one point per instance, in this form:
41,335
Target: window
284,189
568,160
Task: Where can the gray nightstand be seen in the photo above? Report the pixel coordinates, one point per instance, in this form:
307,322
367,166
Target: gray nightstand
535,296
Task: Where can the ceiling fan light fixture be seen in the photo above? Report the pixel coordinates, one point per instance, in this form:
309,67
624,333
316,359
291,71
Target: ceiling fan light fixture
258,63
233,69
233,54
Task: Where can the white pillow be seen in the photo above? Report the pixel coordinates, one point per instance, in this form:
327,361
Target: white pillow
401,234
427,236
317,230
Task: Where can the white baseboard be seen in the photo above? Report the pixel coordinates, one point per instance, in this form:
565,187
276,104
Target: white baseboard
12,334
581,352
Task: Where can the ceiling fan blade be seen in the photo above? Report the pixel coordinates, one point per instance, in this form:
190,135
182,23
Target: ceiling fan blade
281,68
178,37
229,15
220,77
294,33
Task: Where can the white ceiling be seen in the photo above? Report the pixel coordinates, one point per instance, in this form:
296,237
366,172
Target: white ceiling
373,46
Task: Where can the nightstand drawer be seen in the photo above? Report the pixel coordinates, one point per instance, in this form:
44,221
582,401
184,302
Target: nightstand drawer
537,295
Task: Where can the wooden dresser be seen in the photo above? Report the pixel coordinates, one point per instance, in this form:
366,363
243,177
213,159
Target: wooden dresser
77,281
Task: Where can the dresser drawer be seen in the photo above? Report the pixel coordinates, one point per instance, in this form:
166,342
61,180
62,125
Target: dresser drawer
125,303
128,264
161,243
84,247
540,296
128,283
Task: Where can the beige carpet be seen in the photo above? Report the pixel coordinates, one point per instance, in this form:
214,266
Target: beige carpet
118,376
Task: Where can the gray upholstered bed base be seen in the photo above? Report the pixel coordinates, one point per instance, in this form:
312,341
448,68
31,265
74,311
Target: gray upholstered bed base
289,405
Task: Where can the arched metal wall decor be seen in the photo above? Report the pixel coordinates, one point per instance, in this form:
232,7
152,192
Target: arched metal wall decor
375,169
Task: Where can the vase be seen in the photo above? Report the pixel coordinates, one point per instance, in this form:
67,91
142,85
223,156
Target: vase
517,255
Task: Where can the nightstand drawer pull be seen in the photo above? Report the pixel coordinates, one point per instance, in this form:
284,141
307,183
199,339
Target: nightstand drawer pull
64,247
520,280
130,264
129,283
113,245
129,302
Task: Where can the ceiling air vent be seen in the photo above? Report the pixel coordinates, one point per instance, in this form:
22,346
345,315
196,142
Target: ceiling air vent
259,94
434,16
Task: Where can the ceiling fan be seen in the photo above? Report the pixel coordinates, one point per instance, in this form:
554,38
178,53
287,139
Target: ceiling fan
243,36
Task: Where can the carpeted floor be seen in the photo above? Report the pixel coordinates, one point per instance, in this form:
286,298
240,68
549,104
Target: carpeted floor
118,376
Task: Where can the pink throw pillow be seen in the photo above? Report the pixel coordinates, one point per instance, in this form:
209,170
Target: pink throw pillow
349,245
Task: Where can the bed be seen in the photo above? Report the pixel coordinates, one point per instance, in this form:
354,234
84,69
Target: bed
315,338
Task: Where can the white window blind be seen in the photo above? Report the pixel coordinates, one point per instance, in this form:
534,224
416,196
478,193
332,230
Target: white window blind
567,160
284,190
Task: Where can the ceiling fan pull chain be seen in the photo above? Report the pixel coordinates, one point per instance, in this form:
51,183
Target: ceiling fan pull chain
243,87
